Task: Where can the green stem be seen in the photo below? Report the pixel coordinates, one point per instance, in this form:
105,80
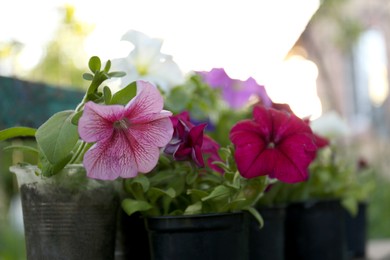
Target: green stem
96,81
82,103
80,151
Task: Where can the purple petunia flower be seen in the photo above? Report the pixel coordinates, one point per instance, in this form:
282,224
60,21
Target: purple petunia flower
190,143
235,92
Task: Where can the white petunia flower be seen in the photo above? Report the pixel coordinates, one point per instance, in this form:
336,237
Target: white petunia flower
146,62
331,125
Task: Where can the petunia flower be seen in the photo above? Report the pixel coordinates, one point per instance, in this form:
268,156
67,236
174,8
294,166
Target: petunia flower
275,143
319,139
331,125
127,138
210,148
146,62
235,92
190,143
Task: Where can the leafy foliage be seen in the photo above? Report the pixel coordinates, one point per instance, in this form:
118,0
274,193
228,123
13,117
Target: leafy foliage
196,96
179,188
205,104
331,177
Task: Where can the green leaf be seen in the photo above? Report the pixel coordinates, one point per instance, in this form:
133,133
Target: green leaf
107,67
131,206
17,132
191,177
134,188
238,204
57,136
103,76
124,95
107,95
117,74
163,176
50,169
197,193
76,117
218,193
94,64
256,215
176,212
88,76
156,192
143,181
351,205
22,147
96,97
195,208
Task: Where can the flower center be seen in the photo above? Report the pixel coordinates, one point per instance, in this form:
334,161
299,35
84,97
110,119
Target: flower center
122,124
271,145
142,70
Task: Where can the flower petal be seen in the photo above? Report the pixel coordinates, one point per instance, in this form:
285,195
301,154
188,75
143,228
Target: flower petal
197,156
246,132
248,162
96,122
146,105
287,169
251,87
196,135
234,91
111,159
157,133
287,124
183,153
146,62
166,74
210,148
146,139
264,119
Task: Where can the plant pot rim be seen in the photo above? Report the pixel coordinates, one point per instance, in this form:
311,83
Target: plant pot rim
272,207
195,216
313,202
199,222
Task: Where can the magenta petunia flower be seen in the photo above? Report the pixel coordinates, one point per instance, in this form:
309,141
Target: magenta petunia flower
210,148
319,140
275,143
190,143
127,138
235,92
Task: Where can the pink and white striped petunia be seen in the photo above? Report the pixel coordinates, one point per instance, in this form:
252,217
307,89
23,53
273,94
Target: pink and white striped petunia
127,138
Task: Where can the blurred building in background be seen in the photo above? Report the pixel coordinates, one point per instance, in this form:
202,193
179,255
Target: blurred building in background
349,41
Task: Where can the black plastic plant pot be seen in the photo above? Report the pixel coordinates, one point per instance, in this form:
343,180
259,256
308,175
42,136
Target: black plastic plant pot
69,222
194,237
356,228
133,241
315,230
267,243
